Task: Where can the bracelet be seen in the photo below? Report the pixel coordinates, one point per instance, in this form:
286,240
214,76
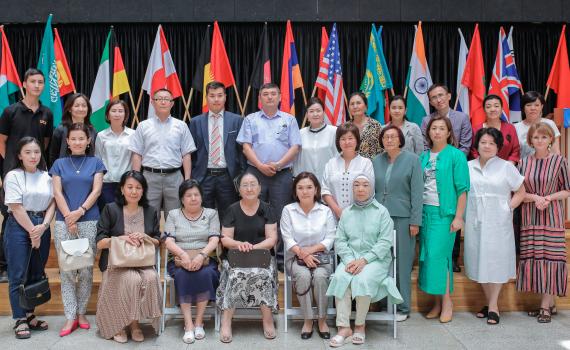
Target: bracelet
84,209
46,225
204,255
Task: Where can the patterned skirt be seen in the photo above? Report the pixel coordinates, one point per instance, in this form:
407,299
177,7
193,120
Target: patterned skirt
126,295
247,287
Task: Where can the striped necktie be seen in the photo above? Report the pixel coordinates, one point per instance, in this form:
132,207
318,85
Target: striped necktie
215,141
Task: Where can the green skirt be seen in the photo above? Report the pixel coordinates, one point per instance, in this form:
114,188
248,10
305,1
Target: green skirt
436,247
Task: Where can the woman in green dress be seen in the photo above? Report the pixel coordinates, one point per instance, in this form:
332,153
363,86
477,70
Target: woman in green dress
363,243
446,183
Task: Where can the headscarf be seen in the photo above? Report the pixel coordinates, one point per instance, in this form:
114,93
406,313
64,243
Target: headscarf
371,188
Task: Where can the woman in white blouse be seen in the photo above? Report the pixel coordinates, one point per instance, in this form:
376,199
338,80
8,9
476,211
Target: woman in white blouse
340,171
112,146
29,197
317,141
308,228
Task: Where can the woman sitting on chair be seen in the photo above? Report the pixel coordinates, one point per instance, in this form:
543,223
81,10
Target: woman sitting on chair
308,228
248,224
192,233
127,295
363,243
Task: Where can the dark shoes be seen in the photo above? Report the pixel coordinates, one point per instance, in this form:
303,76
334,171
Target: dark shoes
306,335
324,335
456,267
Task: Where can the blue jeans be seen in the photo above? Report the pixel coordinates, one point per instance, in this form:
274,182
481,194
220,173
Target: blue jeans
17,245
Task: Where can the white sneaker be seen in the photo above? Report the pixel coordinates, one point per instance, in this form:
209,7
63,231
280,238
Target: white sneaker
401,317
188,337
199,332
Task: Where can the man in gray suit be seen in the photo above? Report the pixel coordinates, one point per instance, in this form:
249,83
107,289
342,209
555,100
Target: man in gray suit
219,158
439,97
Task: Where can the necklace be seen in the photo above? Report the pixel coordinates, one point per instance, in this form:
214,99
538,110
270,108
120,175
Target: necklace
192,218
319,129
77,170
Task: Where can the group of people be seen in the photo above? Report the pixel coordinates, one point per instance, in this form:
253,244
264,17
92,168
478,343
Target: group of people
304,198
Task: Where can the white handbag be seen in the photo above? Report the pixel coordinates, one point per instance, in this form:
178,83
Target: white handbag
75,254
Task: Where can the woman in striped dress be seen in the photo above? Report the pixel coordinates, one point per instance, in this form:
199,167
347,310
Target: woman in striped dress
543,241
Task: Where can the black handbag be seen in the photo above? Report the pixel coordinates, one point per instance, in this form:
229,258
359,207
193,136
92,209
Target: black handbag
255,258
323,258
34,293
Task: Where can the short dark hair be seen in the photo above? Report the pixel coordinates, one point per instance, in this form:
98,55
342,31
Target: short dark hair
33,71
79,127
117,102
494,133
66,118
450,140
238,180
138,176
492,97
437,85
361,95
345,129
314,101
269,86
188,185
26,140
162,90
401,136
214,85
530,97
314,180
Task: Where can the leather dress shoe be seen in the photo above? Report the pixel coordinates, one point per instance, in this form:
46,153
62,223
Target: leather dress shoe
456,267
324,335
306,335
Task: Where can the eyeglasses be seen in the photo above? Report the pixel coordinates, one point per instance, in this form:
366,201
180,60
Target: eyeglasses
248,185
167,100
390,137
437,97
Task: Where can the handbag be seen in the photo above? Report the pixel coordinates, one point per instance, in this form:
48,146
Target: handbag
192,253
322,257
123,254
75,254
260,258
36,292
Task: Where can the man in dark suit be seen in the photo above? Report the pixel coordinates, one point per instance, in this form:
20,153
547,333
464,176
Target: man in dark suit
219,158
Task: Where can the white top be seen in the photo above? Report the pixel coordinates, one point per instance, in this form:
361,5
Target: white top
162,144
522,132
211,122
316,150
33,190
114,151
337,181
304,230
489,239
431,197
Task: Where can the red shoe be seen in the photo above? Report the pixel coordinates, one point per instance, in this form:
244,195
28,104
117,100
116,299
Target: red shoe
66,332
84,325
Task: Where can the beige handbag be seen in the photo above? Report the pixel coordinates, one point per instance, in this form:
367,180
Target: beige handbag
75,254
123,254
192,253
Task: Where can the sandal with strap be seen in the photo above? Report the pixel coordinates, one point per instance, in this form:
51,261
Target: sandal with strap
493,318
338,340
553,310
39,324
22,329
483,313
358,338
544,316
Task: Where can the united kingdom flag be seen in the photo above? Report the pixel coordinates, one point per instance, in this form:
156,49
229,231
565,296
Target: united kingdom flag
330,80
505,80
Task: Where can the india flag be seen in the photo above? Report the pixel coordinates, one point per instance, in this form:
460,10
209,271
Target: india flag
418,80
101,90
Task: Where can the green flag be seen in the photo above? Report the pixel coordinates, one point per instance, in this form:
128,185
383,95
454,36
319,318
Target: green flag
46,63
101,94
377,78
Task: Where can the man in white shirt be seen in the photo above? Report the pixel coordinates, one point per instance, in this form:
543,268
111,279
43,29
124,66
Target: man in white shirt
160,146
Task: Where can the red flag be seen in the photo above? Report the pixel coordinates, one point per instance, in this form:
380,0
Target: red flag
65,81
9,80
220,68
324,44
559,77
290,73
474,80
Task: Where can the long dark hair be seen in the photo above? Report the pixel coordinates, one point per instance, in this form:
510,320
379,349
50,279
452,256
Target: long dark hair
66,119
26,140
138,176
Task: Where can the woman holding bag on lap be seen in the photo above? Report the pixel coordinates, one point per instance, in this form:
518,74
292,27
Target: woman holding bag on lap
77,181
29,197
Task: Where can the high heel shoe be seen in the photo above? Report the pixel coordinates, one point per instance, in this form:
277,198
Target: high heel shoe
66,332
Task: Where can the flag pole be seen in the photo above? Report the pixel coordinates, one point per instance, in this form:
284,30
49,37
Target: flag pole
238,99
246,98
405,92
304,96
185,108
187,113
133,104
547,91
136,110
346,103
314,91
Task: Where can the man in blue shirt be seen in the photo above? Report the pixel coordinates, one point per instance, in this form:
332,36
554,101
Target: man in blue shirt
271,142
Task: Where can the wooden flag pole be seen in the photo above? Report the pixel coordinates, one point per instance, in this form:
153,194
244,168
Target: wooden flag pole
456,102
246,98
184,104
314,91
136,110
133,104
241,108
187,113
405,92
547,91
304,96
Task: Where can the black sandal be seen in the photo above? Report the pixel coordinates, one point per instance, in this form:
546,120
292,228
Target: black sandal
483,313
533,313
493,318
544,316
39,326
22,330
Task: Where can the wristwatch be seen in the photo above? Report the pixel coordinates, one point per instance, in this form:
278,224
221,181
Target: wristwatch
204,255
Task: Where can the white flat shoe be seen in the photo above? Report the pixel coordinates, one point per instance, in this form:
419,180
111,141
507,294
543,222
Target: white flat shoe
338,340
199,332
188,337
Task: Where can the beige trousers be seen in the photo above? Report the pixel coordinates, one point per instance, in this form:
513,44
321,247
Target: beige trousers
344,308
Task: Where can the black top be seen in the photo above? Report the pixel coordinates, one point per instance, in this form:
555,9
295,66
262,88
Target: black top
112,224
18,121
58,146
249,228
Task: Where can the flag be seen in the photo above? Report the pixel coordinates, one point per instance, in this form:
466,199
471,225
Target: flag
330,80
120,80
474,80
219,63
262,67
418,80
462,104
9,80
160,72
321,94
48,66
505,81
101,94
290,73
559,77
202,75
377,78
65,81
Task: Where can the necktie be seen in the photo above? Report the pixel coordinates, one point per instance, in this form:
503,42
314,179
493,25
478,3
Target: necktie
216,142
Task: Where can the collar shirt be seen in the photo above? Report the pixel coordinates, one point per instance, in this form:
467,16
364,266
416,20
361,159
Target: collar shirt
114,151
211,122
304,230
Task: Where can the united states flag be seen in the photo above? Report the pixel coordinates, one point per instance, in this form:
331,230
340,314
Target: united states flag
330,80
505,80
